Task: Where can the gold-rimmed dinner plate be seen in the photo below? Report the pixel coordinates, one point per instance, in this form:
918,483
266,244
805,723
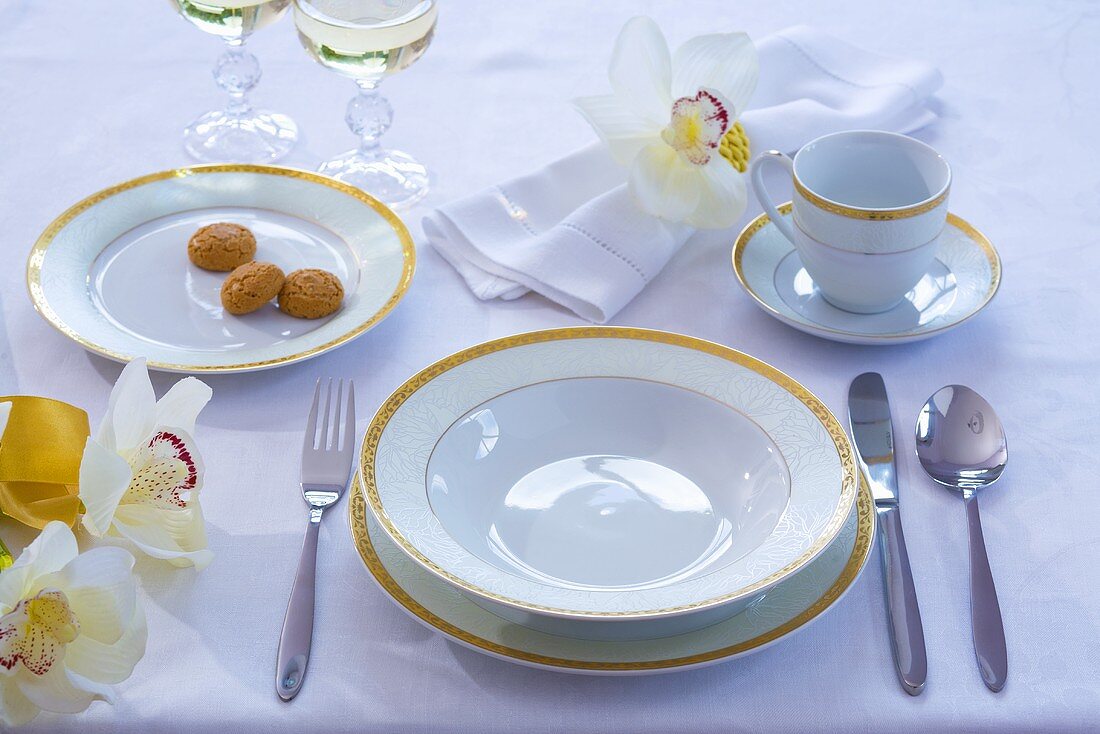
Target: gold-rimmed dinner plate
112,271
789,607
962,280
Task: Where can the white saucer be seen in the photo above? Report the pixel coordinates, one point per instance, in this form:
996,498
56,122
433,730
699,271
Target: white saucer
788,607
962,280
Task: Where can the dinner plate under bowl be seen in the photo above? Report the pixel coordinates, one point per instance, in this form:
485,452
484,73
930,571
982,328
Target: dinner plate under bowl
112,272
788,607
604,475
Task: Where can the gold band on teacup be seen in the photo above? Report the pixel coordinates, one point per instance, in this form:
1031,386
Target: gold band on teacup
874,215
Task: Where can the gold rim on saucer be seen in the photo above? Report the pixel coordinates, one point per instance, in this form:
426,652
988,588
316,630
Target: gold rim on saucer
42,306
987,248
373,435
861,549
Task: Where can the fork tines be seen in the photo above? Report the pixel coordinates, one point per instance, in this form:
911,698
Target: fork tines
330,437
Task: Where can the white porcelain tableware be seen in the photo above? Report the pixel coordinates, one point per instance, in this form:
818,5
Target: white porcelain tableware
112,271
961,281
608,474
790,606
869,207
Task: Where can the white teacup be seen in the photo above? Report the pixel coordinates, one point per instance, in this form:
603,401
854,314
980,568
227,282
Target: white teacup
868,209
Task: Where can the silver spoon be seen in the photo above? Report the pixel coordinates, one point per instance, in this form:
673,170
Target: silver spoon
961,444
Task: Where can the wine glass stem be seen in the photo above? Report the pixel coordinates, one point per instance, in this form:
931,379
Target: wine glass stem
369,115
237,71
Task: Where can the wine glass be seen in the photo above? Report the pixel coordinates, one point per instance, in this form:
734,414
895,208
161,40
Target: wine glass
368,40
239,133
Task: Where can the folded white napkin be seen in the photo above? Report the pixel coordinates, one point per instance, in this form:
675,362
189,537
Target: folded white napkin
572,232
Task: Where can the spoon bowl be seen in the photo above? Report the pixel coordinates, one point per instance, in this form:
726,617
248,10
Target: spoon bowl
961,444
960,440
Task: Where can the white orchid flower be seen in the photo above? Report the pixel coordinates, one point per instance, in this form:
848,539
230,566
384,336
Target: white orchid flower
141,473
70,625
666,118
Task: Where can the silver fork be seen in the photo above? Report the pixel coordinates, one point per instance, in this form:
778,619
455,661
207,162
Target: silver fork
326,468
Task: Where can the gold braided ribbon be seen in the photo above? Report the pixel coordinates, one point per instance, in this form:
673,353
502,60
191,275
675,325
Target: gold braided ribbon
734,147
40,453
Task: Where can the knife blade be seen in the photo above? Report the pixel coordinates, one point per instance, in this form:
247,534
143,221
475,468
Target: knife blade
873,434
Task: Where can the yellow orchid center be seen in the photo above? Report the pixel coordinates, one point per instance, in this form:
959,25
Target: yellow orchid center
51,611
697,125
36,632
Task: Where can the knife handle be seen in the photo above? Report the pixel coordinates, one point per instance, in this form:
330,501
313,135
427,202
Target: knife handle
906,630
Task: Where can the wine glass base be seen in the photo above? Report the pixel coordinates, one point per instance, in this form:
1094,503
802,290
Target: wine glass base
255,137
394,178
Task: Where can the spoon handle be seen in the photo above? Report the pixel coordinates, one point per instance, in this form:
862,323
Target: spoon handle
985,612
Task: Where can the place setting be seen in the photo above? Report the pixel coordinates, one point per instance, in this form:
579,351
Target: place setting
592,499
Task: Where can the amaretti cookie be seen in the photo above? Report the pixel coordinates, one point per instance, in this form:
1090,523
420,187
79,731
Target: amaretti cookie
250,286
311,294
221,246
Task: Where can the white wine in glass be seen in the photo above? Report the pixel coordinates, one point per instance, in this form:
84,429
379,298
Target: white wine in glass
239,133
368,40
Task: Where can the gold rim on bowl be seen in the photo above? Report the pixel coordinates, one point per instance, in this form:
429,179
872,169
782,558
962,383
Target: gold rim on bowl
861,550
848,480
38,253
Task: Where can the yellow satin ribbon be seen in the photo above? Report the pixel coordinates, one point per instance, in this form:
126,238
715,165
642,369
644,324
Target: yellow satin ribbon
40,453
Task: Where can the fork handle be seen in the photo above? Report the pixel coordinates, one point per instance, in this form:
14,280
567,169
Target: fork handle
297,633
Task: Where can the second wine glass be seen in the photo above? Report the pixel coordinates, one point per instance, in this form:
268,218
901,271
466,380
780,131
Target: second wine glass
368,40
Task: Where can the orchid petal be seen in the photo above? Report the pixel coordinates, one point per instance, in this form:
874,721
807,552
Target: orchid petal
726,62
54,547
722,198
15,708
180,406
104,478
12,625
131,410
100,588
641,70
62,691
39,650
624,131
663,184
110,663
697,126
175,535
166,469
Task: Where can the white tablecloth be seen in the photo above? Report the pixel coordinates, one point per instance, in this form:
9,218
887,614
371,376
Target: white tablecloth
95,93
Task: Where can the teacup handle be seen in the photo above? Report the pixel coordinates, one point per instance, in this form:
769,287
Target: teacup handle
756,171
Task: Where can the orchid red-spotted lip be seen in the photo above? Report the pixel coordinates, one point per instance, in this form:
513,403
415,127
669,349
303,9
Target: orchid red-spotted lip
697,126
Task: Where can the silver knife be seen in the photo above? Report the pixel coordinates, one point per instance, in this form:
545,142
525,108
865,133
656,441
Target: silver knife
873,433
